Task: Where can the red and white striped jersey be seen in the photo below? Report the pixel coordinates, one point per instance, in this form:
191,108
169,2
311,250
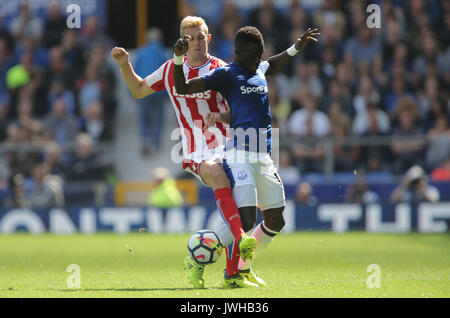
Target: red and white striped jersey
190,110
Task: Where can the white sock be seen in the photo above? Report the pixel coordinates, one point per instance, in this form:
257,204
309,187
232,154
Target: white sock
263,237
224,234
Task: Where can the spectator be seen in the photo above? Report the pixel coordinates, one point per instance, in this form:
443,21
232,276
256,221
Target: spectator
90,87
271,23
94,123
43,191
364,47
4,109
26,23
308,156
166,193
397,92
336,94
373,121
92,33
437,109
6,57
415,188
309,121
59,124
380,77
225,47
4,172
288,173
151,108
58,90
360,193
345,156
72,51
439,142
105,75
280,108
442,172
53,160
54,26
87,164
304,195
427,95
20,74
366,94
229,23
407,146
32,128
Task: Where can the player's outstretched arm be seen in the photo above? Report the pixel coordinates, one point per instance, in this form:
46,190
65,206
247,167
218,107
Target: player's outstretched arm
183,86
136,85
277,62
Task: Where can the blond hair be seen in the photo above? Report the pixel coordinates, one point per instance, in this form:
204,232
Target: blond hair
192,22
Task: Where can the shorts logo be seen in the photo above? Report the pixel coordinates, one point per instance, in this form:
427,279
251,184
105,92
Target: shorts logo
242,175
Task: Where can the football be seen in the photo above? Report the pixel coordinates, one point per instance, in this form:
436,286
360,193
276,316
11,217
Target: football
204,247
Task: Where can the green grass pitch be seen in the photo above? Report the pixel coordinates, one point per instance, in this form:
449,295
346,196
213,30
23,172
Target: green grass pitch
307,264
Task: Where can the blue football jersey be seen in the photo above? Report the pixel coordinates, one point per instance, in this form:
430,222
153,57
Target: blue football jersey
247,96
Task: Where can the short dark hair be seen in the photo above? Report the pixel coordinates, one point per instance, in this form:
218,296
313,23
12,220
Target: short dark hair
248,35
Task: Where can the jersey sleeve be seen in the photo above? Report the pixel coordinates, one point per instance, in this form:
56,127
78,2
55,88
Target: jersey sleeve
219,80
156,79
263,66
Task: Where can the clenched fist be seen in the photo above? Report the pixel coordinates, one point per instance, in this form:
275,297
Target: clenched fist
120,55
182,45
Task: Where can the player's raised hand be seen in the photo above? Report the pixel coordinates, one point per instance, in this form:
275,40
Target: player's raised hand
309,35
120,55
182,45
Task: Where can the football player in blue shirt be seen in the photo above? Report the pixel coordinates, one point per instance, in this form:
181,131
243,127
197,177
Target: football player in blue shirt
247,161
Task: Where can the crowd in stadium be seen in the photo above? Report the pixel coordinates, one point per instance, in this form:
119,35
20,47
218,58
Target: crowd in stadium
55,90
392,81
358,81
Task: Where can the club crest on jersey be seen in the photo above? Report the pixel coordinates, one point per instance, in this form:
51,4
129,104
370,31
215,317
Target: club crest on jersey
241,77
242,175
253,89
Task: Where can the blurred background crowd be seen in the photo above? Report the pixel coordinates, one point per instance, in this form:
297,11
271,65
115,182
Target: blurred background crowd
55,104
357,81
362,101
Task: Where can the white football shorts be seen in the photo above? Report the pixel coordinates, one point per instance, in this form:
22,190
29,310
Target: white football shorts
255,183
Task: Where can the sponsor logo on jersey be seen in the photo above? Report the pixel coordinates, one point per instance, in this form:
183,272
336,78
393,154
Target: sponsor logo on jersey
203,95
253,89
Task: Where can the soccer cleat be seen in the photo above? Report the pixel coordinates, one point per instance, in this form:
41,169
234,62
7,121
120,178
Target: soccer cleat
194,272
247,245
237,281
250,276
